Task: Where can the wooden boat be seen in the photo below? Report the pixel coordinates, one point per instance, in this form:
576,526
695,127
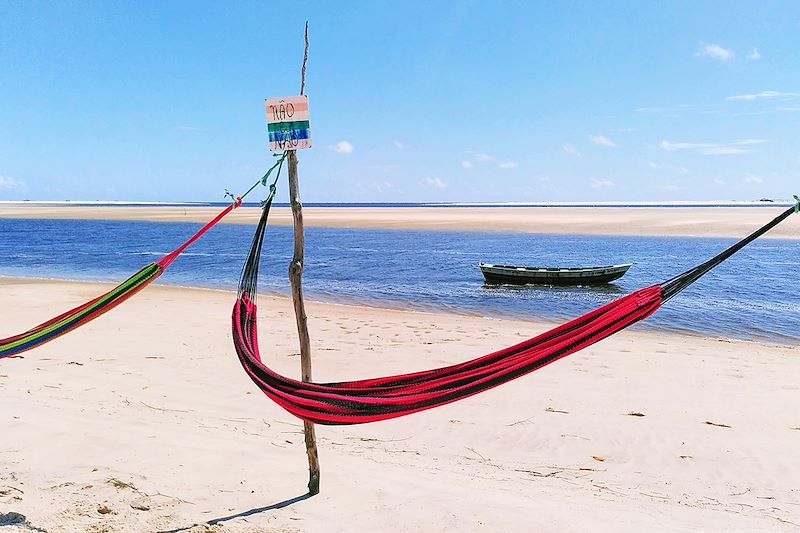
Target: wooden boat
552,276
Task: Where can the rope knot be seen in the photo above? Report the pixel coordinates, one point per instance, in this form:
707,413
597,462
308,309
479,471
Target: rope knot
233,198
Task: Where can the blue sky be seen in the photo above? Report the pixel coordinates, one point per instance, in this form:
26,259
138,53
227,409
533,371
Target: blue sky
410,101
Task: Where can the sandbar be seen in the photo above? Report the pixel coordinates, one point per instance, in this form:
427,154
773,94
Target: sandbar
730,222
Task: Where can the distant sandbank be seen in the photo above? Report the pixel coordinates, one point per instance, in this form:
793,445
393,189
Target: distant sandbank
643,221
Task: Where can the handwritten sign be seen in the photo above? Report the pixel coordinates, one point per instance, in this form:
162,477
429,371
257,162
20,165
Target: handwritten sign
288,123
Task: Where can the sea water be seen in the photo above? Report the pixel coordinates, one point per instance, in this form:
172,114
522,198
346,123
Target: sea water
754,295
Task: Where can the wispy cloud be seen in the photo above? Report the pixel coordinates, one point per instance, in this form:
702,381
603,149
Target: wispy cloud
747,142
675,147
343,147
712,148
754,179
715,51
601,183
571,150
723,150
788,109
480,158
400,145
190,128
436,182
7,183
764,95
602,141
754,55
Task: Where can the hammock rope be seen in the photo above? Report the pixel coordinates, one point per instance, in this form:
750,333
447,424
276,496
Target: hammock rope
371,400
104,303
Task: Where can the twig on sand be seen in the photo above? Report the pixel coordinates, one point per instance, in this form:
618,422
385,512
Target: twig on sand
483,459
164,408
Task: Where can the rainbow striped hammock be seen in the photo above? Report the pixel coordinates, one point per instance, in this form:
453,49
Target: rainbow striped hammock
74,318
370,400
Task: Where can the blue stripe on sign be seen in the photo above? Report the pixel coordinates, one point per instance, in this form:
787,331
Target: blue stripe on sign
278,136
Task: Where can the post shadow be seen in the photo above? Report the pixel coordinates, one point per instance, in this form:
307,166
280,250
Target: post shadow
245,514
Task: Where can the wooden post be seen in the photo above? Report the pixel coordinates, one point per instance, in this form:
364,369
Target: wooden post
296,280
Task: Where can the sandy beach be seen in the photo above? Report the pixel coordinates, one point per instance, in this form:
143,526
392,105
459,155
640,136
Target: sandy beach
144,421
683,221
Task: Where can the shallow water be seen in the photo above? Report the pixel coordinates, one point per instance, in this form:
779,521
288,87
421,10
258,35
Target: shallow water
754,295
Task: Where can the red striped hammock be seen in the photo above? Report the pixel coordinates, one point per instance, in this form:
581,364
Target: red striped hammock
370,400
75,318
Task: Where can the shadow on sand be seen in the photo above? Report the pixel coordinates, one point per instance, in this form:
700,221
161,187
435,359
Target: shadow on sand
244,514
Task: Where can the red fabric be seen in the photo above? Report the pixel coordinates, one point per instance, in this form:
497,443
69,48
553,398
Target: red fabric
163,263
370,400
167,260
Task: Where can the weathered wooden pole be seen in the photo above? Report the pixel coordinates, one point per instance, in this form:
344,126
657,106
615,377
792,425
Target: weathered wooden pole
296,280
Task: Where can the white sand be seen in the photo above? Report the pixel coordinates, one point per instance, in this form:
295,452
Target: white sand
147,413
683,221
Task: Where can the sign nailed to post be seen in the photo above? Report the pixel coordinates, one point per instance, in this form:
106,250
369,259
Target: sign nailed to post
288,123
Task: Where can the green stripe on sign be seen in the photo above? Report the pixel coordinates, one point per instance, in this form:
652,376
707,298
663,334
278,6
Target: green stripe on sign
288,126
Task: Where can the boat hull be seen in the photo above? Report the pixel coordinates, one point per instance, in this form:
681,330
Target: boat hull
552,276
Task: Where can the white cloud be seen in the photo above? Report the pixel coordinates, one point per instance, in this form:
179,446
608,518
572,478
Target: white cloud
571,150
601,183
478,158
754,179
400,145
715,51
436,182
763,95
668,187
7,183
755,55
723,150
788,109
343,147
602,141
674,147
712,148
719,181
751,141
